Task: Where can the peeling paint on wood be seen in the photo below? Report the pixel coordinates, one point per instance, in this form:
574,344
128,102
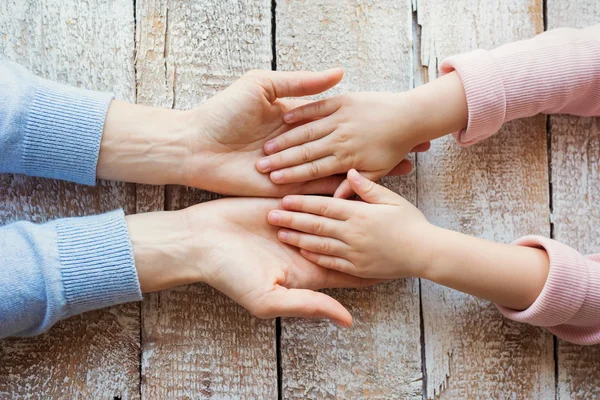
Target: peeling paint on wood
498,190
87,44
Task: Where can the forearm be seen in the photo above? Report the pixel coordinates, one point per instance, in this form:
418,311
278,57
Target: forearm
439,107
63,268
508,275
143,144
162,247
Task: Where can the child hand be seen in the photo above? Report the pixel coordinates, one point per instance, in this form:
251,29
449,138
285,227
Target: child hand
371,132
384,237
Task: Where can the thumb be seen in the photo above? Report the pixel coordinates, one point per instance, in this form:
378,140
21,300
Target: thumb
281,84
306,303
369,191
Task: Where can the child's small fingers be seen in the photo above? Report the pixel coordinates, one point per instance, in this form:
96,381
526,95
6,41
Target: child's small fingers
403,168
299,135
420,148
327,261
306,172
294,156
317,109
314,243
318,205
307,223
344,191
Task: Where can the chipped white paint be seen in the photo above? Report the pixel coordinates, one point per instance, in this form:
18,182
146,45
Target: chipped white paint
575,198
87,44
497,190
380,356
196,342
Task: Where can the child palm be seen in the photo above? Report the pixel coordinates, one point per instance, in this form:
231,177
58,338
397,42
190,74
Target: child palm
370,132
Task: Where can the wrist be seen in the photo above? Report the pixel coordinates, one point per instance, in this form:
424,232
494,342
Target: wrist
143,144
432,264
163,250
439,107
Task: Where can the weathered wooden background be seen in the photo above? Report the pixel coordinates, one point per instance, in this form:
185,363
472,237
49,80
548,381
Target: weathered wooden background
411,339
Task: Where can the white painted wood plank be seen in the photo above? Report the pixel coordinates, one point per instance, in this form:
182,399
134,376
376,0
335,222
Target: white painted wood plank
497,190
380,356
88,44
575,146
196,342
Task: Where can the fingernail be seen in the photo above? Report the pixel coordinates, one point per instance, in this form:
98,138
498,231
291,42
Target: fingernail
288,116
286,202
263,165
283,235
274,217
276,176
270,147
340,323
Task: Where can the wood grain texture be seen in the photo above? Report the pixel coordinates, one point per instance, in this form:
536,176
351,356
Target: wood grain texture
575,177
87,44
380,356
498,190
197,343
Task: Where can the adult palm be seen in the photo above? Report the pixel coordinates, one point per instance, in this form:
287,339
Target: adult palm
238,121
238,253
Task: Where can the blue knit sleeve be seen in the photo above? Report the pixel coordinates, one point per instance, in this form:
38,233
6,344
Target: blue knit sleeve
63,268
47,129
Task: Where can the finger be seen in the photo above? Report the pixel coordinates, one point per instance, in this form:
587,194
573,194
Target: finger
344,191
326,185
306,303
371,192
307,223
299,135
306,172
318,109
420,148
403,168
278,84
318,205
331,262
295,156
318,244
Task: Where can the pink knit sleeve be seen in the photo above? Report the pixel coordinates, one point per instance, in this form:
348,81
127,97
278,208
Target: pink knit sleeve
569,304
557,72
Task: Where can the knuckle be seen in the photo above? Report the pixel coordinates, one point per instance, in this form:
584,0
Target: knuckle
324,208
308,132
318,226
323,246
314,170
319,107
342,137
305,153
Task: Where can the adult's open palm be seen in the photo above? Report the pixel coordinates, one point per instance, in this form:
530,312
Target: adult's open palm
241,256
236,124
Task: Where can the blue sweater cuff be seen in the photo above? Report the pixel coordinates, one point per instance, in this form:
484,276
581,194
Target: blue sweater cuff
96,262
62,132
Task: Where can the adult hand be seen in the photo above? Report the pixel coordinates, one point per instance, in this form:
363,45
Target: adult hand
216,145
230,245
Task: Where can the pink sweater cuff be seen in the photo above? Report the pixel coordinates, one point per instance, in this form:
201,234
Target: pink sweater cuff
555,72
569,304
486,108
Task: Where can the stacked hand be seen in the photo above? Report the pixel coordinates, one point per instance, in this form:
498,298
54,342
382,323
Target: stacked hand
383,236
372,132
230,245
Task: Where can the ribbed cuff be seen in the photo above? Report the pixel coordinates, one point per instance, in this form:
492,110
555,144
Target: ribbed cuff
565,289
484,90
63,132
96,261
